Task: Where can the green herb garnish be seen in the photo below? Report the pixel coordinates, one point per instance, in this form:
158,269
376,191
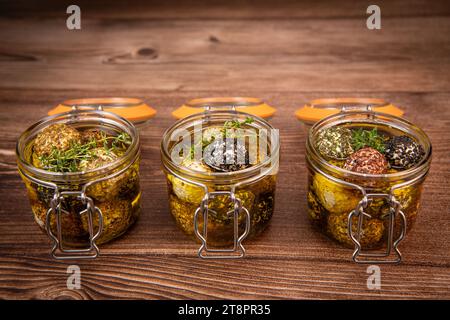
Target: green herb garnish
230,126
367,138
120,141
204,142
236,124
69,160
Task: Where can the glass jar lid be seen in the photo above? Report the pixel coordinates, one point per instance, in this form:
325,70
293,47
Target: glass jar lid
132,109
253,106
91,119
189,134
318,109
373,119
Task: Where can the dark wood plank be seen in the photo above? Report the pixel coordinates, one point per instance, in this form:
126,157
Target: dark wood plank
162,277
303,55
221,9
348,57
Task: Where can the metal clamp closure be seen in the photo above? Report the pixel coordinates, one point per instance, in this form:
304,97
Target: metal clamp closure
237,251
58,250
212,108
392,245
75,110
366,108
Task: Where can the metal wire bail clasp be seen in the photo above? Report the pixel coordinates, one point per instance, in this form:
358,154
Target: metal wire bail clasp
76,109
208,108
366,108
58,250
237,251
392,245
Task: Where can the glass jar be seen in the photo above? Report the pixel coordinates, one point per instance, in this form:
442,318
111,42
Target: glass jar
221,209
79,210
362,210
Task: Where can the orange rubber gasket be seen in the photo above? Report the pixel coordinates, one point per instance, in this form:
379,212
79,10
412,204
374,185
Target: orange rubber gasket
255,106
132,109
310,113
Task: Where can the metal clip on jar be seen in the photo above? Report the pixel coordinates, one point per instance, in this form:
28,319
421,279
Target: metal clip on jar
366,211
220,209
80,210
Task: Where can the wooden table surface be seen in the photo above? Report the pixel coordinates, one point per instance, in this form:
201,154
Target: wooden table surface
166,54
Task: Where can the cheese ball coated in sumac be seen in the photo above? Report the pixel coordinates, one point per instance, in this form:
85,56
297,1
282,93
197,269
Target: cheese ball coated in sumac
367,160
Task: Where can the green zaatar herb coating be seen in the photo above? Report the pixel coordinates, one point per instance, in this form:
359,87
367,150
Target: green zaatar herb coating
335,142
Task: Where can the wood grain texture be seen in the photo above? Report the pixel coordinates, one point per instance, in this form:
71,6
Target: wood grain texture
166,54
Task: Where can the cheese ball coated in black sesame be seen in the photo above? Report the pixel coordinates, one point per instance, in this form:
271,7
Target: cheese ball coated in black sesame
403,152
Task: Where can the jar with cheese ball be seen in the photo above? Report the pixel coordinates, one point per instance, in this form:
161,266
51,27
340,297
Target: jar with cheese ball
81,171
366,172
221,167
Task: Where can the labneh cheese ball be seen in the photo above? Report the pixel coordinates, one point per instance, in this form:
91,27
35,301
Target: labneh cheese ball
186,191
372,230
227,156
94,136
403,152
334,197
99,157
367,160
63,148
57,136
116,216
335,142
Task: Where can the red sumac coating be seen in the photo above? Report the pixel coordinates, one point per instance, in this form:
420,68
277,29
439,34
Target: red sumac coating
367,160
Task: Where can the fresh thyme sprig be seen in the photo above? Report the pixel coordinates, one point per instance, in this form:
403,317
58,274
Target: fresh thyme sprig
120,141
69,160
236,124
230,126
204,143
367,138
